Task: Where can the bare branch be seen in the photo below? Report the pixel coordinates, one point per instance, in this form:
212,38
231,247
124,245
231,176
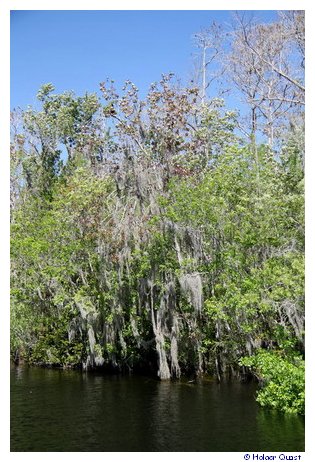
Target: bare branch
270,64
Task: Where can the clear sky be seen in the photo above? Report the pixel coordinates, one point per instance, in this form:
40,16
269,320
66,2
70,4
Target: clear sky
76,50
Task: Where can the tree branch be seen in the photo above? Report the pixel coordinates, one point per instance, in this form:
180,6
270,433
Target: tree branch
270,64
278,98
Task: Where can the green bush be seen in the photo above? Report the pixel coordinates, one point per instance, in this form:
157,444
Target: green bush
282,380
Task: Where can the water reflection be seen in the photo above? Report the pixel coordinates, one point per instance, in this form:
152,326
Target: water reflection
73,411
272,426
165,414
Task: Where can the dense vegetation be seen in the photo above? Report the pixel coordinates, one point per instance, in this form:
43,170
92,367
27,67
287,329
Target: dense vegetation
151,235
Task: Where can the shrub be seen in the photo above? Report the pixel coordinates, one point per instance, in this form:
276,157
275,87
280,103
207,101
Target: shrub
282,380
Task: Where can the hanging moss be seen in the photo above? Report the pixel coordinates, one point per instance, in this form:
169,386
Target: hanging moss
135,264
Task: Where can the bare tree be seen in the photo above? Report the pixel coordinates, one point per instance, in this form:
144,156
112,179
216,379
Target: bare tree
208,65
267,67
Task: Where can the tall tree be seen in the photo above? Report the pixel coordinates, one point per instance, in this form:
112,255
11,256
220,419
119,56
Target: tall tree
267,67
210,43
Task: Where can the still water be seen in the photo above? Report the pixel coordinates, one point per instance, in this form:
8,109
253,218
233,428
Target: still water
54,410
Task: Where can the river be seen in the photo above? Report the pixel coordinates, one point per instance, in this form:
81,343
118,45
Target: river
57,410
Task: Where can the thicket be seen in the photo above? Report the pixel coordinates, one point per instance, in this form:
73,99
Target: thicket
149,235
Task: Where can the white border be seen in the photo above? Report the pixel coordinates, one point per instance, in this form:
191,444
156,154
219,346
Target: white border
5,7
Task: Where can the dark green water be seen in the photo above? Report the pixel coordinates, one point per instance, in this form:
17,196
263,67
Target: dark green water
54,410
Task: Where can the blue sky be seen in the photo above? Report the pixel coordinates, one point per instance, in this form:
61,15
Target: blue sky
75,50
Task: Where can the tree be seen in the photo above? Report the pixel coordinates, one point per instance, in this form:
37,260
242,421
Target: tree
163,241
268,68
253,255
208,68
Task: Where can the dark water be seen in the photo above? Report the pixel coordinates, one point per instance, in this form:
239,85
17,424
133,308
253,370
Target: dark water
55,410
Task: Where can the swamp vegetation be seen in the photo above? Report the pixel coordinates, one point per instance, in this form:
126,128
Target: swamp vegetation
152,235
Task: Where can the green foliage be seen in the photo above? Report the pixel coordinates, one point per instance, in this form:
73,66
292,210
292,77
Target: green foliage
52,251
283,380
255,264
53,346
181,241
